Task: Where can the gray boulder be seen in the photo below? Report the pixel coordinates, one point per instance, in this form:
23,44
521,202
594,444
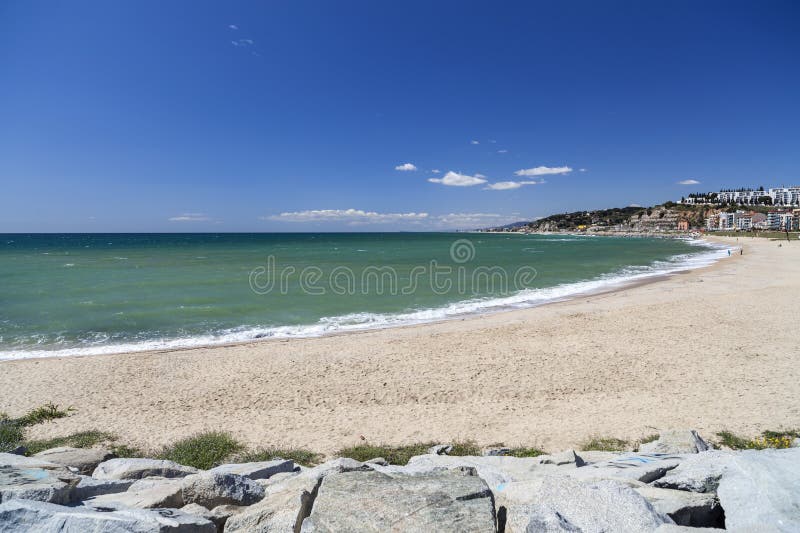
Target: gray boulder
567,457
676,441
212,489
26,516
685,508
562,503
440,449
288,502
697,473
760,491
671,528
82,460
219,515
36,483
258,470
89,487
150,493
139,468
453,500
640,467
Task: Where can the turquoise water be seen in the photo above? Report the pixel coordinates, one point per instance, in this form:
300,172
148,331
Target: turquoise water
72,294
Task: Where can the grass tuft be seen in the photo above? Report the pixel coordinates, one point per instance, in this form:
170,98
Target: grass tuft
467,447
396,455
10,436
45,413
203,451
300,456
525,452
768,439
83,439
605,444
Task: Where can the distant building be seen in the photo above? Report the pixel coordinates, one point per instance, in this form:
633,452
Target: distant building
784,196
683,225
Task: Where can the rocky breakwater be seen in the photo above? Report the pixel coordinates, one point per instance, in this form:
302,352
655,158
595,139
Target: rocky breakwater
673,484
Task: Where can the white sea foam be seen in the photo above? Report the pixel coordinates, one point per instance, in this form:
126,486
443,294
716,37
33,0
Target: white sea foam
364,321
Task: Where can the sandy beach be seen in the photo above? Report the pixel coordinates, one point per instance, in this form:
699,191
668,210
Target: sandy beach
711,349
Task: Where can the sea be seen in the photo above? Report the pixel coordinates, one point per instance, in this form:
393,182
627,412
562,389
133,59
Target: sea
84,294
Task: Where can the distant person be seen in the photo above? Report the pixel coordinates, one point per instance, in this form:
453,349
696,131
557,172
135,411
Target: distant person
729,252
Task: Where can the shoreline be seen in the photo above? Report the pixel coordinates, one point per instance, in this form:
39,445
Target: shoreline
688,351
612,284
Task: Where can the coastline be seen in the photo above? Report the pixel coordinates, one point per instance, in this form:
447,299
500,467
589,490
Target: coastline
612,281
672,353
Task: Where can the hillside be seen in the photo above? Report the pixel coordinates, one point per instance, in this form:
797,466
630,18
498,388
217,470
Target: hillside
658,218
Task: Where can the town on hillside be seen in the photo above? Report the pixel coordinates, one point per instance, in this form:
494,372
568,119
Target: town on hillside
740,210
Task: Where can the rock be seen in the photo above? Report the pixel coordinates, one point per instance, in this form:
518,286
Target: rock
152,494
592,457
631,466
259,470
212,489
796,442
378,461
760,491
276,478
83,460
440,501
35,482
139,468
26,516
288,502
697,473
22,450
685,508
11,459
562,503
676,441
494,470
671,528
567,457
89,487
490,452
283,508
199,510
440,449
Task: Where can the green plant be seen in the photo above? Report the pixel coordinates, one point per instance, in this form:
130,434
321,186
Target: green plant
467,447
396,455
768,439
525,452
83,439
300,456
203,451
10,435
49,411
605,444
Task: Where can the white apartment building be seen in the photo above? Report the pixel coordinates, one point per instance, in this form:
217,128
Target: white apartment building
779,195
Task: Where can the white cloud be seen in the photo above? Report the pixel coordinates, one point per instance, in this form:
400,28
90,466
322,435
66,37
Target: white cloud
506,185
346,215
233,26
243,42
435,170
502,151
689,182
357,217
454,179
190,217
406,167
474,142
542,171
581,170
634,205
492,141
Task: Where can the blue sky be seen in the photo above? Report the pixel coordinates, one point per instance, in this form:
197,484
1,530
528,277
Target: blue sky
294,116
